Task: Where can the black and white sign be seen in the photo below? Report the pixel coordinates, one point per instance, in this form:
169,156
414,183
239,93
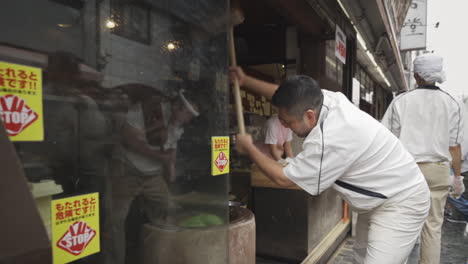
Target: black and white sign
413,32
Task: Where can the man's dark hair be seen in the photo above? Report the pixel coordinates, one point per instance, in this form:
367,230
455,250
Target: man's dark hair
298,94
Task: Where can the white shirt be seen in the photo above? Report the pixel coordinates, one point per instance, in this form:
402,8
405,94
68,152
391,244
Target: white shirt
357,150
427,122
147,165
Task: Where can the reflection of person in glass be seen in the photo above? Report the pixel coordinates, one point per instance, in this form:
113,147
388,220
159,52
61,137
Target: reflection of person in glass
182,112
150,131
60,118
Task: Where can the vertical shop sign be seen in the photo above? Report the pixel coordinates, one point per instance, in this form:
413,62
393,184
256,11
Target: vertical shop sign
75,227
21,102
414,30
219,155
340,45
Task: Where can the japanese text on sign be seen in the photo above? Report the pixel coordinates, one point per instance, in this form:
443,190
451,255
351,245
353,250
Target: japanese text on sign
21,102
219,155
75,227
414,29
75,210
12,77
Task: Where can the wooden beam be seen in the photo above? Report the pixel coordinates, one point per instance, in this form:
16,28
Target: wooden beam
325,248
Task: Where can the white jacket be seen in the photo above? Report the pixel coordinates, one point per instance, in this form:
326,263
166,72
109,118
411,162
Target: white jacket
427,121
369,162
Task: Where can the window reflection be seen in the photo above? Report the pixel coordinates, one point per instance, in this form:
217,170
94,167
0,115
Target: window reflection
131,99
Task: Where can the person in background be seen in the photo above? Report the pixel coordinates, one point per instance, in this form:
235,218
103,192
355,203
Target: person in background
62,82
464,146
277,139
457,199
348,150
429,123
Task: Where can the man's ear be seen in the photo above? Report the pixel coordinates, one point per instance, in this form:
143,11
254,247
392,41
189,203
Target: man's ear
418,78
310,117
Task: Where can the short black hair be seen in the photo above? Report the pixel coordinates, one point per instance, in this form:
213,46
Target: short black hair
298,94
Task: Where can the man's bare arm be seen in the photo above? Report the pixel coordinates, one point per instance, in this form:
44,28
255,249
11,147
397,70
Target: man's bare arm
252,84
455,152
272,169
288,149
274,151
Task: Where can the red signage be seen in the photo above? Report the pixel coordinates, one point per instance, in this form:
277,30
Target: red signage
340,46
77,237
16,114
221,161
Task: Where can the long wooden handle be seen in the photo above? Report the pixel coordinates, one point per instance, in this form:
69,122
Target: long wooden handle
237,97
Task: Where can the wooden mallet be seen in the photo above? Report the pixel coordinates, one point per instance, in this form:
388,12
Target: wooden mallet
237,17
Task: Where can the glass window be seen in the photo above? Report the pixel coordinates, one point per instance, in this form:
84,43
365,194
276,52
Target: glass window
357,71
363,84
132,94
333,66
339,72
330,60
369,89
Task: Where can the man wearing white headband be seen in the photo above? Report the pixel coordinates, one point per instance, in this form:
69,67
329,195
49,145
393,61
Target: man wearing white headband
145,158
429,123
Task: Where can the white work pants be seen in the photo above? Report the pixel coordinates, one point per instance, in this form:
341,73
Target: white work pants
388,233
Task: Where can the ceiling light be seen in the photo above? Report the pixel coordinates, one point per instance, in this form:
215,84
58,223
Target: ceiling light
64,25
171,46
110,24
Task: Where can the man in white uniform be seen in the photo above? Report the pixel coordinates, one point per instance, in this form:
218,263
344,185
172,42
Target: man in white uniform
348,150
429,123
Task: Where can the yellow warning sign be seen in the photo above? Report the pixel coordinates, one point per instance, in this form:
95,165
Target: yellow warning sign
75,227
219,155
21,102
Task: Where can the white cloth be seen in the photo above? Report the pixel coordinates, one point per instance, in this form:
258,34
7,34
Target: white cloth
174,133
430,67
427,122
276,133
356,149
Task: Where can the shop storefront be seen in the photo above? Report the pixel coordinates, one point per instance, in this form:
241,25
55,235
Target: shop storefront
112,107
279,39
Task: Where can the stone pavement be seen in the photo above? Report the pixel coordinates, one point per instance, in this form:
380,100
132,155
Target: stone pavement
454,247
